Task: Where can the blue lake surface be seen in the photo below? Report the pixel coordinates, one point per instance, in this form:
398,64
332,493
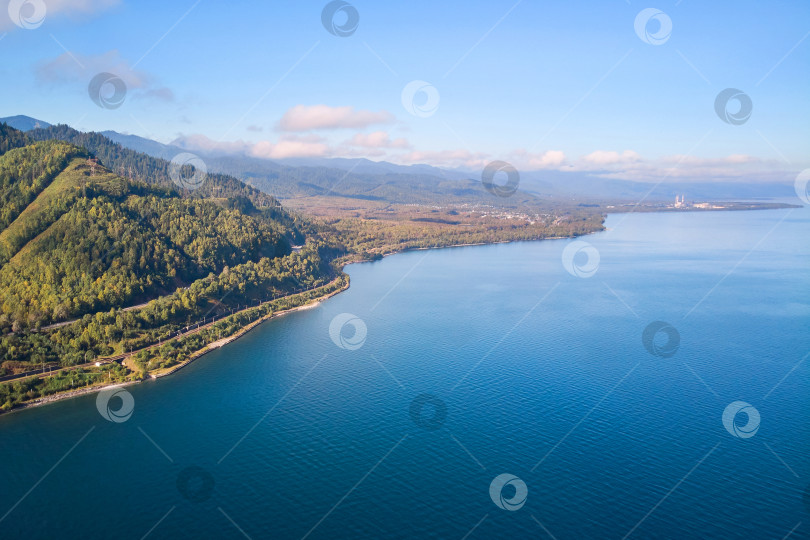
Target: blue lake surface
528,370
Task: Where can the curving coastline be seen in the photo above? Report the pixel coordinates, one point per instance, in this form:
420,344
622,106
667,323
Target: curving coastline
68,394
310,304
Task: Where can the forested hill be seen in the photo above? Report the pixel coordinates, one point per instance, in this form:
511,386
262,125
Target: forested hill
76,238
142,167
11,138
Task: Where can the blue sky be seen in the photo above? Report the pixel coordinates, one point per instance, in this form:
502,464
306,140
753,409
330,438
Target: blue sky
546,85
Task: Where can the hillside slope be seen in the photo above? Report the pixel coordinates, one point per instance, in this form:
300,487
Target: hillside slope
76,238
150,170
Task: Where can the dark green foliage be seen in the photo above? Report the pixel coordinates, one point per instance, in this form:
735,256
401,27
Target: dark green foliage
178,350
78,241
36,387
106,252
11,138
75,238
137,166
214,295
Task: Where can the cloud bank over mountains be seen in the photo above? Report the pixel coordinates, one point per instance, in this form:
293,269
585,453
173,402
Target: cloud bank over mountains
322,131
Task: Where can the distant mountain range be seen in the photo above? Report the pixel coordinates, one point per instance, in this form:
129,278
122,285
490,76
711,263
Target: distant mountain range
279,180
24,123
365,179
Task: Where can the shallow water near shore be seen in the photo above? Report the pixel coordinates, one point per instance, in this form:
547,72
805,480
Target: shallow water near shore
543,375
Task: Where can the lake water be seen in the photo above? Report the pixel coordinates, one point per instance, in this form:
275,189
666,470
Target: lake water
476,362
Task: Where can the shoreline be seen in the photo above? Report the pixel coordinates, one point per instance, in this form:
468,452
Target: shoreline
59,396
69,394
312,304
449,246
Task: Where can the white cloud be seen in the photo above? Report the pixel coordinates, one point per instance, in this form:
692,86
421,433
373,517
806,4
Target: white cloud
202,143
367,153
286,147
551,159
445,158
377,139
70,68
312,117
74,9
629,165
603,157
624,165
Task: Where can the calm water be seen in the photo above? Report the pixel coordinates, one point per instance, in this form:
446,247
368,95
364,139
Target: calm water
543,375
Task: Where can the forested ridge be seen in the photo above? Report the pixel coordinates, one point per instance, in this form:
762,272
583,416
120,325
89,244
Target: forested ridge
78,240
26,170
142,167
11,138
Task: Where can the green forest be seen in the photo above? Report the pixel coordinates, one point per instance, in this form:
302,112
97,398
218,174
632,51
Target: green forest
78,241
103,257
82,244
141,167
